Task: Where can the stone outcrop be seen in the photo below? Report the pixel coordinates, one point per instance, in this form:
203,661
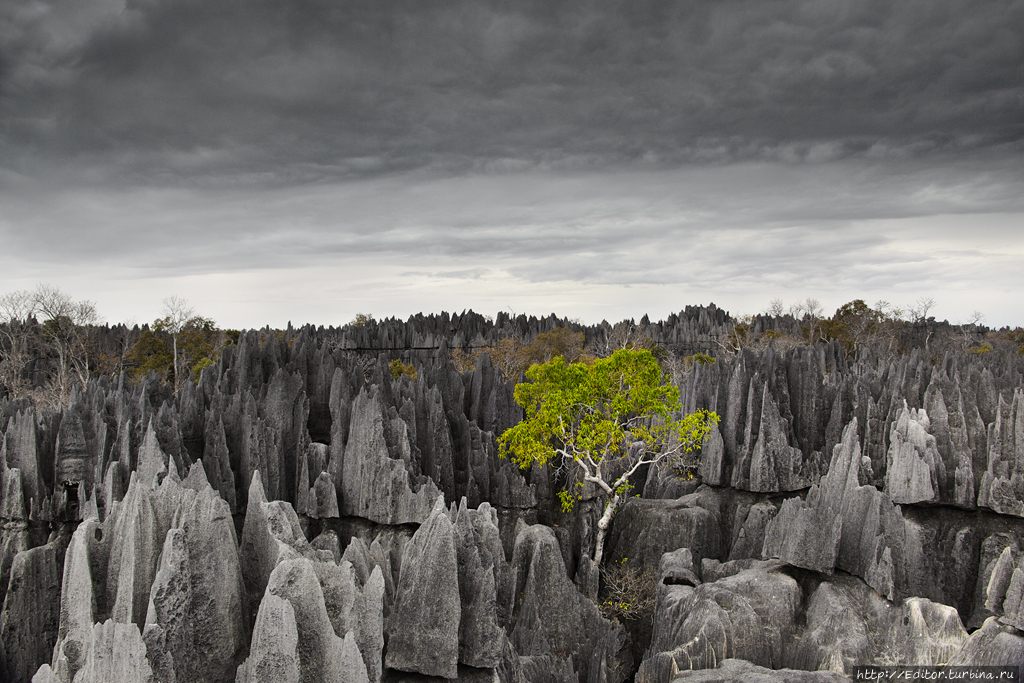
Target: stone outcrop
1002,485
749,616
845,525
273,654
741,671
29,620
553,621
376,485
888,487
424,626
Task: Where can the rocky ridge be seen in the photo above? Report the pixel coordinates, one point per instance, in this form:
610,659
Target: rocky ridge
297,515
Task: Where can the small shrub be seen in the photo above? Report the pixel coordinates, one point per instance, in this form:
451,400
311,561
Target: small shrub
702,358
628,593
398,369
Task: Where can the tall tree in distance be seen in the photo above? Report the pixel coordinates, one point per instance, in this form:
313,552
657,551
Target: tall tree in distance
177,346
177,314
16,331
64,336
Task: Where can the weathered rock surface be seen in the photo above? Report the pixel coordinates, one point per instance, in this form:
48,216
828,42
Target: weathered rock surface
482,569
845,525
195,612
323,656
845,621
115,652
550,618
913,465
424,626
750,615
273,655
375,485
29,621
643,530
740,671
1002,485
992,645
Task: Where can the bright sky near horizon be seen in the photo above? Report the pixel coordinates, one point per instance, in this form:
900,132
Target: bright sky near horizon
308,160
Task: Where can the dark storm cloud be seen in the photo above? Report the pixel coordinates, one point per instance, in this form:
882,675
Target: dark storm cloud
268,92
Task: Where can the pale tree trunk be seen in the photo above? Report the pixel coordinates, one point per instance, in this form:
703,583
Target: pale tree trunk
177,379
602,527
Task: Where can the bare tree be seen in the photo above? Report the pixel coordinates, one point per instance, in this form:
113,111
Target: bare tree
776,308
66,327
15,334
177,315
920,309
808,308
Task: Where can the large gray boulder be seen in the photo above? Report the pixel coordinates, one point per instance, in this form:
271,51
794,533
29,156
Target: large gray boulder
838,635
643,530
925,633
750,615
424,625
740,671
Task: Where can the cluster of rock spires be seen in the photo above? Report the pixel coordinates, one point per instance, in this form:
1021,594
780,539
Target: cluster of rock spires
294,517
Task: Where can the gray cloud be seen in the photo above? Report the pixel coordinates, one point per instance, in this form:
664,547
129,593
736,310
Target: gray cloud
263,92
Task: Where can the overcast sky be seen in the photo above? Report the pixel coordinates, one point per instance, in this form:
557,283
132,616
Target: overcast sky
305,160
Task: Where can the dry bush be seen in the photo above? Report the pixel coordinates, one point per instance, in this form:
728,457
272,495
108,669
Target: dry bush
628,592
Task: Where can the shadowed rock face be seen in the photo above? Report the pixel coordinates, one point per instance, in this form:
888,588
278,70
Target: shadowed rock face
886,490
29,621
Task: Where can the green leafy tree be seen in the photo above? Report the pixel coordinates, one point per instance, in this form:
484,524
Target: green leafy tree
177,346
604,420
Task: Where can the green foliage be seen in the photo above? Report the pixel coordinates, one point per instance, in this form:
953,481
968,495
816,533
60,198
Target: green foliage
361,320
152,352
701,358
398,369
199,346
981,350
1016,337
597,412
197,369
